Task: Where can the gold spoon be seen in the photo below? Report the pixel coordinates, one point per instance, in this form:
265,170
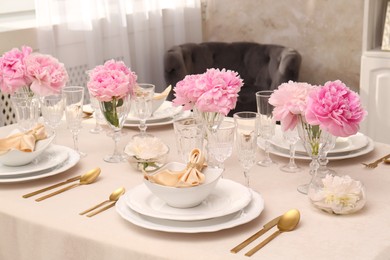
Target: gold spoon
287,222
114,196
86,178
387,161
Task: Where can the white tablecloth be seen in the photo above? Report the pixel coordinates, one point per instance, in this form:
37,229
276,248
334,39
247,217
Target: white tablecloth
53,229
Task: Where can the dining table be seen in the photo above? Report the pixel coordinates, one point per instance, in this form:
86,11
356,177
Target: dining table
53,229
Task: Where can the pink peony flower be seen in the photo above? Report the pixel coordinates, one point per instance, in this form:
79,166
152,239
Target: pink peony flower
289,101
13,74
213,91
111,80
335,108
48,76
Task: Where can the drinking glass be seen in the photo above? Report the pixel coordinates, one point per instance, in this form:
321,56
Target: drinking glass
220,143
143,102
73,100
267,123
99,119
246,140
291,137
52,108
189,135
323,160
115,113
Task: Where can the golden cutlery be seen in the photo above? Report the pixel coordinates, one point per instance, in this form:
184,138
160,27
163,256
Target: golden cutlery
375,163
87,178
287,222
114,196
101,210
87,114
28,195
265,228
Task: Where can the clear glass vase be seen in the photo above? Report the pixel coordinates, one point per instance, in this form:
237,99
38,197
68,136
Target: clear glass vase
314,140
211,121
115,113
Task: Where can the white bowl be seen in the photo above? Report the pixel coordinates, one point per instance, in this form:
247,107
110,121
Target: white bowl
18,158
189,196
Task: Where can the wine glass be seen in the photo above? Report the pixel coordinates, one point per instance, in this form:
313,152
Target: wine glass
115,113
267,123
291,137
220,143
143,101
323,160
99,119
73,101
52,108
246,140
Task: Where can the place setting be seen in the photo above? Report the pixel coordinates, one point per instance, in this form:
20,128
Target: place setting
189,198
31,155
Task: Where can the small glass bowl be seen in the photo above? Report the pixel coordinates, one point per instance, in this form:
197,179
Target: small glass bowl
148,165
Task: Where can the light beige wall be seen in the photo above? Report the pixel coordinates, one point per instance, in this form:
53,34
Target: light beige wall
327,33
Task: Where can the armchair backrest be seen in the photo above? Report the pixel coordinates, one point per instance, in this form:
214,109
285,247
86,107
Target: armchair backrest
261,66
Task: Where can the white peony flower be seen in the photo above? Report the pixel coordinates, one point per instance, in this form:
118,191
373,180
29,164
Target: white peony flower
146,147
339,195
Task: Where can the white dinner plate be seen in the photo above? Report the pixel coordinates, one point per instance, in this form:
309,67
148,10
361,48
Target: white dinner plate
165,121
73,159
165,111
342,145
227,197
51,157
250,212
339,156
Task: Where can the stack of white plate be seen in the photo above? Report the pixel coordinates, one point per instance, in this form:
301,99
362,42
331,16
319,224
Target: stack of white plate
346,147
162,116
54,160
229,205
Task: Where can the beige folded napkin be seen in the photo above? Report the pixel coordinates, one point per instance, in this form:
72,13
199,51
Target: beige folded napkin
23,141
163,94
190,176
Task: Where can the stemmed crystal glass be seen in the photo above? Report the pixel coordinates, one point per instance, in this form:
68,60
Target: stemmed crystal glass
143,100
73,100
98,116
220,143
323,157
291,137
52,108
267,123
115,113
246,140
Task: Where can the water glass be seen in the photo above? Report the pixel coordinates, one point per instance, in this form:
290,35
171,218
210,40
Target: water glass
26,107
99,118
189,135
73,99
52,108
220,143
266,124
291,137
143,104
246,140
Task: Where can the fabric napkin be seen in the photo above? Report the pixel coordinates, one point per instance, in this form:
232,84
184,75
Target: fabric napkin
190,176
23,141
163,94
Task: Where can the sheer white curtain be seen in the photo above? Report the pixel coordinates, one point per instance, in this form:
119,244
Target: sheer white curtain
85,33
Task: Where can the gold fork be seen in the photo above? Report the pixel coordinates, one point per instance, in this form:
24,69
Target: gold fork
377,162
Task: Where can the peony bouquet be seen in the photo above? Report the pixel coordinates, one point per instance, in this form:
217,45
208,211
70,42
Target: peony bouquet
111,83
22,70
332,107
213,91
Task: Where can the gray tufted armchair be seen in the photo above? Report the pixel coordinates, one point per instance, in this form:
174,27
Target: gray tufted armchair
261,66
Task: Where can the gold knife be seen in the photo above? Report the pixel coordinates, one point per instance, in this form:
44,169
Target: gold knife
101,210
52,187
265,228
